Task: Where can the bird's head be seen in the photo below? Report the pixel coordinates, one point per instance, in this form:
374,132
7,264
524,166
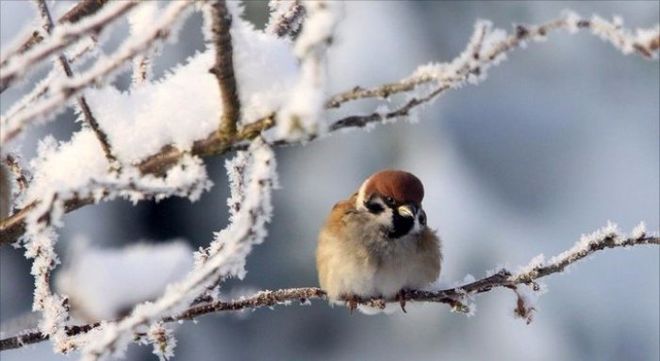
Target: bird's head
393,199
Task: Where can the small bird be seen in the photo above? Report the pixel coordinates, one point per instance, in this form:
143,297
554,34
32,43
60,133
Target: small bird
376,243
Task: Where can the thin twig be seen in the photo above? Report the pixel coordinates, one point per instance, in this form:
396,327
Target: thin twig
81,10
40,89
17,66
618,37
223,69
21,176
82,102
70,88
451,296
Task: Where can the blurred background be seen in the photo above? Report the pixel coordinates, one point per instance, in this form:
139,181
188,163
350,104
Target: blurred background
562,137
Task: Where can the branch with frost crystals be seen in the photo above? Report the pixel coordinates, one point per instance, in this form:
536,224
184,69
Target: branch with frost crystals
64,35
140,20
486,47
188,179
12,228
217,14
226,259
29,337
301,115
21,176
163,340
42,88
82,102
81,10
645,42
286,17
11,128
69,88
236,172
608,237
40,246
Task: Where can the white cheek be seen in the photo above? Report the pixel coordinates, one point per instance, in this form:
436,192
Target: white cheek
385,217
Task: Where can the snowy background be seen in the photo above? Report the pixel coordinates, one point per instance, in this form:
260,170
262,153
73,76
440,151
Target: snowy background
560,138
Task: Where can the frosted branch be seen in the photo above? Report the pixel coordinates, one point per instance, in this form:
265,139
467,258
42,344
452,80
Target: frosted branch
40,242
88,116
302,114
286,17
82,9
608,237
486,47
226,256
17,66
12,128
68,88
21,176
140,20
9,125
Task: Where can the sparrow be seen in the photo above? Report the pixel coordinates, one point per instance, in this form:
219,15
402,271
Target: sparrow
376,243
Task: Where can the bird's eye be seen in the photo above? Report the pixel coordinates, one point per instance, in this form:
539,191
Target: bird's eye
422,217
373,207
389,201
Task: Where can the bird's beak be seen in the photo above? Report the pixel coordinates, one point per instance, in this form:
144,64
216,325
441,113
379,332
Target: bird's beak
407,211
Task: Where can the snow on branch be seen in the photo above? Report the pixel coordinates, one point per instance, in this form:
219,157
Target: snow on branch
68,88
81,10
140,20
159,148
457,297
40,237
86,111
302,114
41,247
226,256
486,47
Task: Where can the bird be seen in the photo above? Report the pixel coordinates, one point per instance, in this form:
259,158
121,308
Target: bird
376,243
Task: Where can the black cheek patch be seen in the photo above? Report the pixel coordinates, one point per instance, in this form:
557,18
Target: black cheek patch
400,225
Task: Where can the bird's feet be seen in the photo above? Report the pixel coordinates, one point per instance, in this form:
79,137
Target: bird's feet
402,296
351,302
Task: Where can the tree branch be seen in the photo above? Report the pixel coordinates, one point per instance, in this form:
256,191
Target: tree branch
81,10
642,44
15,66
605,238
70,88
21,176
223,69
469,67
82,102
285,18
